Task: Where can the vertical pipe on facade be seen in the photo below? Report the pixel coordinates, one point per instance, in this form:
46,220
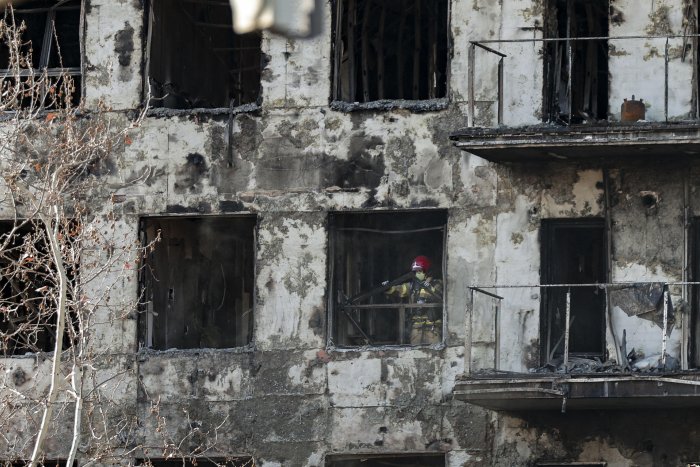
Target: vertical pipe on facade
665,326
471,64
569,58
470,334
566,331
666,81
686,225
497,336
500,92
608,259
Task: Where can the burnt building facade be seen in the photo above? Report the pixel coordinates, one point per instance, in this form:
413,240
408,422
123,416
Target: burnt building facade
289,179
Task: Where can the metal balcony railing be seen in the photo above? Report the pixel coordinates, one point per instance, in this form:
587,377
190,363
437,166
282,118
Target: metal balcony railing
491,299
499,48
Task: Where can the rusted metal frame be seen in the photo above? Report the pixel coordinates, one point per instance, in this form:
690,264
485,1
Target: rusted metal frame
493,295
666,81
471,59
379,306
664,338
567,325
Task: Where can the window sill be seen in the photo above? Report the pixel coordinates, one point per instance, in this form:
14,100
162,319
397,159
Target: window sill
428,105
440,346
164,112
145,353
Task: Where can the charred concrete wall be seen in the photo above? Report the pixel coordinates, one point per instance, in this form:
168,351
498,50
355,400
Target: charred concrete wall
290,399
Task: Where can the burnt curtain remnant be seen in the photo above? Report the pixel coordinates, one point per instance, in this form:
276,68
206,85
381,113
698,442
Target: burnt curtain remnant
576,72
390,49
198,282
195,60
573,252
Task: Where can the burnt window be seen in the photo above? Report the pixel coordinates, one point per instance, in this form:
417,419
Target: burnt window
198,282
694,271
244,461
50,33
573,252
387,460
582,95
195,60
378,294
28,282
44,463
390,49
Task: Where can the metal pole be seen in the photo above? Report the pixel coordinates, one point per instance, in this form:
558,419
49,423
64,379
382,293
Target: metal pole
500,91
663,338
566,331
470,335
497,333
666,81
471,58
569,57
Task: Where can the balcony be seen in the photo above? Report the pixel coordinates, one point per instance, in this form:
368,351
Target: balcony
601,346
567,107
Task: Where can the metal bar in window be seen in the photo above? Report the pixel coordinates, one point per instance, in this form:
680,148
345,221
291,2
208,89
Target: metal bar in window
48,39
51,72
470,64
665,329
500,91
567,326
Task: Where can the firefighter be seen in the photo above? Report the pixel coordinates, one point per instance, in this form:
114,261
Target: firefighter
425,324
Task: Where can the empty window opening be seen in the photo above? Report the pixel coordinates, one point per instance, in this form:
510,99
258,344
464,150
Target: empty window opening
44,463
588,99
28,282
195,60
390,49
387,277
387,460
50,36
244,461
573,252
198,282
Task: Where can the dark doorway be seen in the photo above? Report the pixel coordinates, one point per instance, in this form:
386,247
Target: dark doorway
587,100
573,252
694,292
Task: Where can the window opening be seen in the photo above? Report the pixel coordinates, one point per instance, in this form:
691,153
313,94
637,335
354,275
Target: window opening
198,283
387,460
27,304
694,251
390,49
573,252
50,33
195,60
387,277
588,100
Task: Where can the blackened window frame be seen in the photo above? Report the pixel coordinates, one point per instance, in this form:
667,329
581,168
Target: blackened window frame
148,99
416,105
48,43
336,460
147,307
334,311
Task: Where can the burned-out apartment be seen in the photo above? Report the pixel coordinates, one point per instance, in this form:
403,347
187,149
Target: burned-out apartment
437,233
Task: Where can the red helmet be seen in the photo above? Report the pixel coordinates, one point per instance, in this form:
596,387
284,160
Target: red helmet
421,262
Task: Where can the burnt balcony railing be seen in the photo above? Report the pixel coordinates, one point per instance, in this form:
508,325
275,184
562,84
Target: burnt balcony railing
577,322
506,56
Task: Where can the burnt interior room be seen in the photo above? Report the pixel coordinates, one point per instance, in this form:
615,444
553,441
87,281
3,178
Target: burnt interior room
588,100
195,60
26,325
198,462
390,49
573,252
388,460
51,35
694,276
198,282
371,248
